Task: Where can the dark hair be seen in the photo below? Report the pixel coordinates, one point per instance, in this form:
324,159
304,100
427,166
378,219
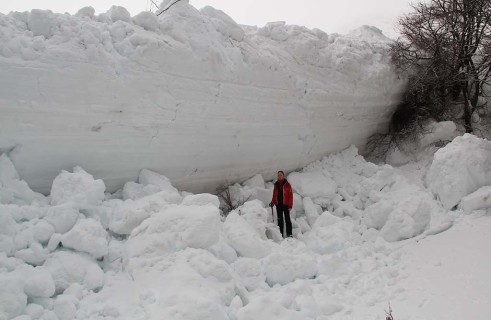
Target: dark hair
281,172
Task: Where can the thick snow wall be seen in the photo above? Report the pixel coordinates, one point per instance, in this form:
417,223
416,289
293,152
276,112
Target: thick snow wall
189,94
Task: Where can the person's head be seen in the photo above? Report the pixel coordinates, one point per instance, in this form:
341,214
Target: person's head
281,175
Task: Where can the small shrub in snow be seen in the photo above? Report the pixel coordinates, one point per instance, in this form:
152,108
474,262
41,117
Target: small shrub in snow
388,314
230,197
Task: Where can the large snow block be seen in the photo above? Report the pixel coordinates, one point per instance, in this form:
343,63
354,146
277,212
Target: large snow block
282,268
246,240
130,214
312,184
460,168
87,236
78,188
68,268
480,199
408,219
174,229
329,234
13,190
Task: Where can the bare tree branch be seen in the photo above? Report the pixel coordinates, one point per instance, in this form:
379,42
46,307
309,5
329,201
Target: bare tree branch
168,7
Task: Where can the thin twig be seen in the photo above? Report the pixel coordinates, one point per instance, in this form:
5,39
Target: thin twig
158,14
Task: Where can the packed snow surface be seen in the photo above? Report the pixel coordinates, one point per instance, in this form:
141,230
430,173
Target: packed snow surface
364,236
189,94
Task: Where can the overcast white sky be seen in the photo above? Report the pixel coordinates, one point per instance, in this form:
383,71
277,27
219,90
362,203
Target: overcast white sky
329,15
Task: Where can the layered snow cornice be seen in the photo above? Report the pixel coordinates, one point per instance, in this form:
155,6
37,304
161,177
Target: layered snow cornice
190,94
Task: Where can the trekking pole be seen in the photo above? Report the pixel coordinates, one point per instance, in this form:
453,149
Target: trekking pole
272,213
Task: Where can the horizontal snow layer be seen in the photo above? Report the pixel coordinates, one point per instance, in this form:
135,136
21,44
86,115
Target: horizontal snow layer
189,94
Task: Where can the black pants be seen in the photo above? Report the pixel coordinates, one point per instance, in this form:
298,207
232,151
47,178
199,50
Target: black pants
280,211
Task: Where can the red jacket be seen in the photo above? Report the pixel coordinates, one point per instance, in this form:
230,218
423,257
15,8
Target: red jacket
287,194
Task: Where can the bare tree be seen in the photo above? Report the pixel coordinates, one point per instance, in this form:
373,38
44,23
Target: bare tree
445,48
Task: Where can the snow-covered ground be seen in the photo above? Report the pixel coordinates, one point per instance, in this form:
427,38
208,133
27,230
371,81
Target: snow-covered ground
190,94
364,236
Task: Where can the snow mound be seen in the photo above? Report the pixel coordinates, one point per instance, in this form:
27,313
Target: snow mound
209,288
79,188
369,33
480,199
147,20
129,214
255,182
201,200
69,268
283,268
13,300
12,188
313,185
62,217
174,229
460,168
87,236
38,282
42,23
223,23
244,238
408,219
117,13
254,213
329,234
265,309
148,177
88,12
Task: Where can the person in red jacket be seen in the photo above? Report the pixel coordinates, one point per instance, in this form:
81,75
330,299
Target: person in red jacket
283,200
